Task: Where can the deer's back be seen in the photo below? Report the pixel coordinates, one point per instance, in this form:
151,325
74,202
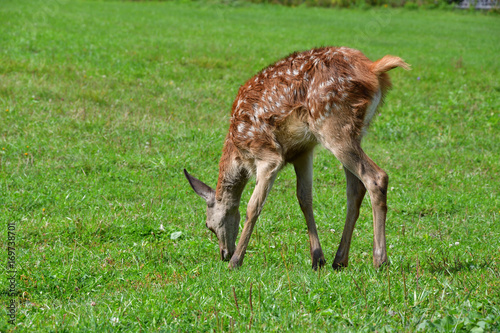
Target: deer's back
282,108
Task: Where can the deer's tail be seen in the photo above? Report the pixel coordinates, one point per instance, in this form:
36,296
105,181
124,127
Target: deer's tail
387,63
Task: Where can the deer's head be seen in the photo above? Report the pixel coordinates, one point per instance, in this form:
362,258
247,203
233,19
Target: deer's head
222,217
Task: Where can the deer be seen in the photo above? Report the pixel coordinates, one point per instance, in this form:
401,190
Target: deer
326,96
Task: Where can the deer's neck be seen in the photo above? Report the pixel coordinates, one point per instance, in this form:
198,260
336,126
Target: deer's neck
232,176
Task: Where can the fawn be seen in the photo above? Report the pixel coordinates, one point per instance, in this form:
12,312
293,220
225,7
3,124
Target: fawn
325,95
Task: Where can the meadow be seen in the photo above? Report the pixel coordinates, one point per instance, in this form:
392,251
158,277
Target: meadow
102,105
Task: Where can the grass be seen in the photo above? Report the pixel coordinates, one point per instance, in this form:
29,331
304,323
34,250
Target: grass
102,104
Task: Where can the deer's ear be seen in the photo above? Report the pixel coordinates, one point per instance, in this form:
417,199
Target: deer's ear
202,189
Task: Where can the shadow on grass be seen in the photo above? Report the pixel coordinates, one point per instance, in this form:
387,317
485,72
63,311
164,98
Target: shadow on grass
451,265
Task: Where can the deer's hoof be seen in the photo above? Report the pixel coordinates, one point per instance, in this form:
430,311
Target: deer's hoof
319,262
380,258
381,263
234,263
337,266
318,259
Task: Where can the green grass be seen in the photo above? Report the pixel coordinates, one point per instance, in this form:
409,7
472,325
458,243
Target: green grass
102,104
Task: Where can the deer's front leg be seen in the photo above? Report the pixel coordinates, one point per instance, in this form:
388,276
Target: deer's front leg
266,174
304,171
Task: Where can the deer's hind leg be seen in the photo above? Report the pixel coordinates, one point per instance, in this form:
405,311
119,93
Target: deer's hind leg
355,192
304,170
347,149
375,181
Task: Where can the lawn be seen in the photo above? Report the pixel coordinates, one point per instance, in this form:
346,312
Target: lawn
102,105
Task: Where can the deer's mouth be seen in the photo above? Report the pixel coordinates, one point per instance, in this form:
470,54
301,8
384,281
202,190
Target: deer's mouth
225,255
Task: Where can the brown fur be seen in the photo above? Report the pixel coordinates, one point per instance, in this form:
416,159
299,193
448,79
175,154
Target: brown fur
292,94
